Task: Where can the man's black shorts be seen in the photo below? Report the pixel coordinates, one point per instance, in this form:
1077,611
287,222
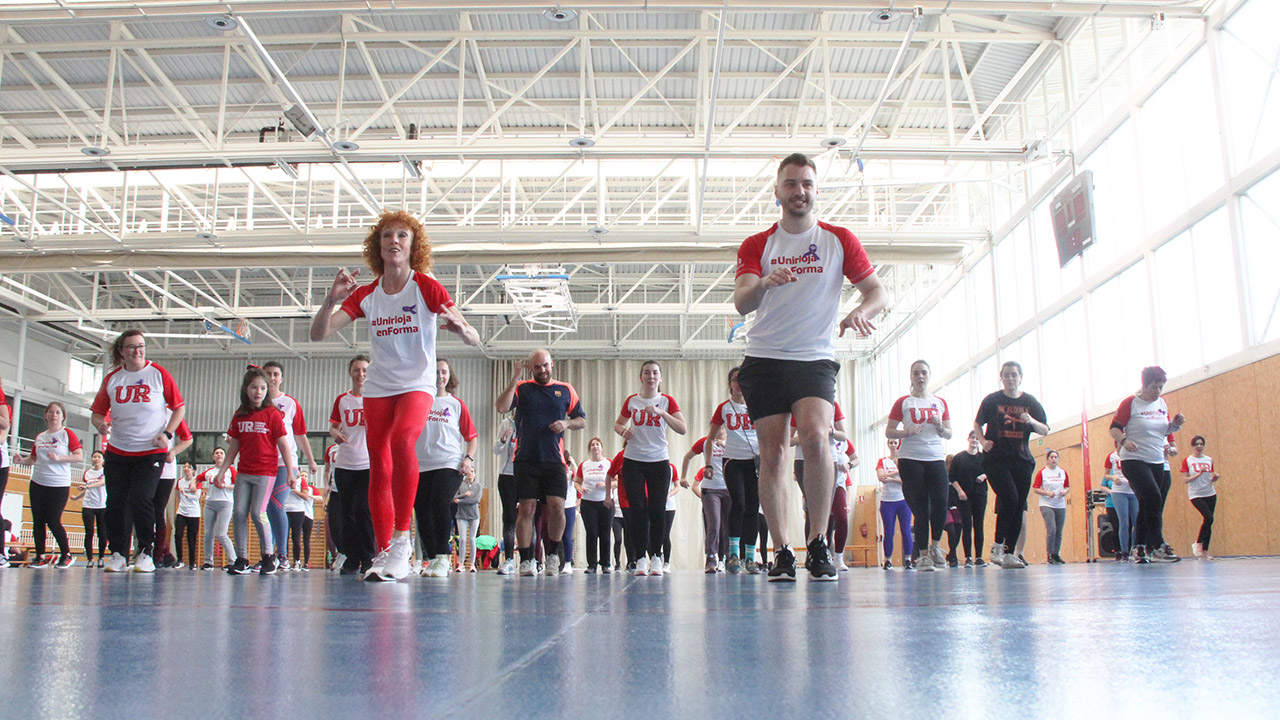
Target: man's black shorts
771,387
540,480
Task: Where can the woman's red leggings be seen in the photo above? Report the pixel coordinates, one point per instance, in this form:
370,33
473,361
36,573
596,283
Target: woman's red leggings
394,424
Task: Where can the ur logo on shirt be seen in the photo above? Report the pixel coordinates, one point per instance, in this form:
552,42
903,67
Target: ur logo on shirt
133,394
643,417
920,416
251,426
353,416
735,421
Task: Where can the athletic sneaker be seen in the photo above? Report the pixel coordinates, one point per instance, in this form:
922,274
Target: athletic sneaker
840,563
4,560
239,567
269,565
508,567
396,566
656,566
1139,555
1168,550
818,561
528,569
116,563
552,566
339,561
734,566
207,566
888,564
605,570
937,555
442,566
66,561
1197,549
752,567
968,562
720,565
566,569
1164,554
144,564
784,566
642,567
710,566
925,563
591,570
41,562
1009,561
376,567
997,552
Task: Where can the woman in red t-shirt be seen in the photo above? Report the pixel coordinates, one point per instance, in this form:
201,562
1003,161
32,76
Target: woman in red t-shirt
256,434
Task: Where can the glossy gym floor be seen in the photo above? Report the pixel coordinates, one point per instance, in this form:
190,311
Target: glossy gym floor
1195,639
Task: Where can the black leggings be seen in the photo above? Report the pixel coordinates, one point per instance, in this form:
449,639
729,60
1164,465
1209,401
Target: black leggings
160,503
1145,480
94,517
300,534
4,482
357,524
333,523
47,504
763,525
647,484
1010,480
131,487
596,519
619,541
190,526
741,478
666,534
434,509
973,515
924,486
1206,506
510,511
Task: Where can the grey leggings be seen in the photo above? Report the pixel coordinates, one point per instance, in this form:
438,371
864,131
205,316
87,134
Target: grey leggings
217,517
715,520
1054,519
251,495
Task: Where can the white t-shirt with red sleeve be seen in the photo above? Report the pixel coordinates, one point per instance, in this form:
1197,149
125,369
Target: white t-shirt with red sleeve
837,416
47,472
348,412
140,404
257,433
648,441
889,491
591,472
294,423
402,332
1052,480
1119,484
843,452
675,483
217,494
4,446
920,412
1201,471
95,498
443,440
740,435
1147,424
798,321
170,469
716,481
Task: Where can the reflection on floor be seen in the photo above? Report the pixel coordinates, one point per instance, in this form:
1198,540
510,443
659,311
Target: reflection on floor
1108,640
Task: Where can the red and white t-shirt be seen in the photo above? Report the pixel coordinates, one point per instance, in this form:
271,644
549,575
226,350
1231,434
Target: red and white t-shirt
4,445
837,416
1052,480
648,441
140,404
675,483
257,433
402,332
47,472
619,492
443,440
590,472
217,494
170,469
1201,471
843,452
716,481
348,412
1147,425
797,321
291,409
1118,481
889,491
95,498
921,412
740,435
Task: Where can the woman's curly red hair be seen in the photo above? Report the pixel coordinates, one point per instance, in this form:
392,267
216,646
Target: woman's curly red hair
419,255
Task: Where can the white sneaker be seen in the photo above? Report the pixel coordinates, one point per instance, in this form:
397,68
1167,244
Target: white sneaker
377,568
656,566
1010,561
553,565
567,569
938,556
144,564
1197,550
508,567
642,567
925,563
116,563
440,567
720,566
528,569
997,553
338,561
398,556
667,567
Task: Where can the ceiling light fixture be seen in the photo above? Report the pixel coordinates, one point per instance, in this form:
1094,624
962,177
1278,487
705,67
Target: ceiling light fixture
345,146
833,142
221,22
558,14
884,16
206,236
92,151
582,142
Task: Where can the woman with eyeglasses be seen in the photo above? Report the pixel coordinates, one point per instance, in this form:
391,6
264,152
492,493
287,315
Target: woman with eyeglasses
1201,478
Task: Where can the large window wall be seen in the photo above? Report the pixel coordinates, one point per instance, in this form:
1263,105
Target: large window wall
1181,128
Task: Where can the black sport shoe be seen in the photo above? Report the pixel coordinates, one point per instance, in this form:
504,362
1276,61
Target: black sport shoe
818,561
239,567
350,566
1140,555
784,566
269,565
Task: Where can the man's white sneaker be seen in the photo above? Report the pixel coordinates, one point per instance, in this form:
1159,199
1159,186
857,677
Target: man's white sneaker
528,569
144,564
553,565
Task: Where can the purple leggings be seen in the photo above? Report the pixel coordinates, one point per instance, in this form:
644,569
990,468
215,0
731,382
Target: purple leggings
889,511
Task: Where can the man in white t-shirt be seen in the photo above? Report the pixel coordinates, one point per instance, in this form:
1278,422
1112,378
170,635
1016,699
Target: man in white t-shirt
791,276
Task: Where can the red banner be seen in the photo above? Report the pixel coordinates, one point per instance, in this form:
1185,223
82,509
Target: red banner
1084,448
